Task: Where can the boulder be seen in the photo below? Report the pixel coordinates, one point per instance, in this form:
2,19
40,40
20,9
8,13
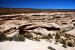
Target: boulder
67,27
71,32
63,15
42,31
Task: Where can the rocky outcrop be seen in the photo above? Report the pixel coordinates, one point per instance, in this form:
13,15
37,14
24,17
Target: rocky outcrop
71,32
41,31
51,27
62,15
67,27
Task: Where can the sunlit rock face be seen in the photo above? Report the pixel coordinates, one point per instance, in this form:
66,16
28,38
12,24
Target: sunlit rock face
41,31
67,27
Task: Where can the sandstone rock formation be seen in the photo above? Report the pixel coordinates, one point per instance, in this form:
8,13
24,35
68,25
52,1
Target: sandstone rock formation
58,27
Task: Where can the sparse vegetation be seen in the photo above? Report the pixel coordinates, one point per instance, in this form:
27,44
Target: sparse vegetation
57,36
63,41
50,36
2,37
28,35
18,37
64,46
70,44
51,48
45,37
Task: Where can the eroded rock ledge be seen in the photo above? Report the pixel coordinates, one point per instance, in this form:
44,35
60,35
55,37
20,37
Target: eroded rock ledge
57,28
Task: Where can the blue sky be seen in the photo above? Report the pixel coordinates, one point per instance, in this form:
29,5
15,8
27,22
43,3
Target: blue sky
47,4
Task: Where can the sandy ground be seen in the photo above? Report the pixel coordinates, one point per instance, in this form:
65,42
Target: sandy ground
31,45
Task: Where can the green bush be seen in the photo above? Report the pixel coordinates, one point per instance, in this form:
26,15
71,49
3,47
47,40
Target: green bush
18,38
2,37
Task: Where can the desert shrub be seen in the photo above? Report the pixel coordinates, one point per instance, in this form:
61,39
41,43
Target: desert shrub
51,48
18,38
50,36
64,46
2,37
45,37
57,37
55,43
67,36
36,39
53,34
63,41
9,38
70,44
28,35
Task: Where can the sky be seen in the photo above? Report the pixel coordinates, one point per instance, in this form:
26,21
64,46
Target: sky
43,4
